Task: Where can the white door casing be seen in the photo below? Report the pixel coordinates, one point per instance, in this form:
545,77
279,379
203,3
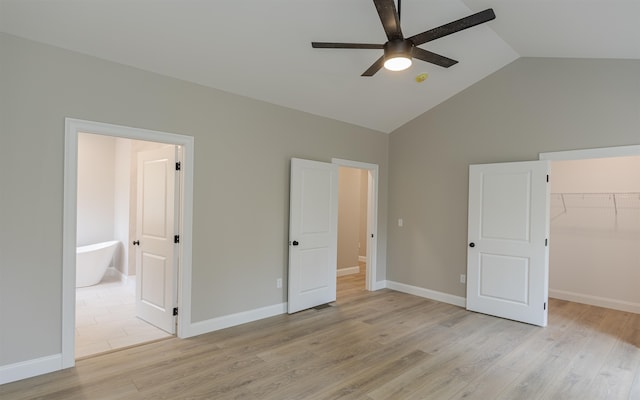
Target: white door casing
508,231
156,225
313,234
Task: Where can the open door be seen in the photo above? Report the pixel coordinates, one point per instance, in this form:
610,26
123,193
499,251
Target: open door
156,282
313,234
508,257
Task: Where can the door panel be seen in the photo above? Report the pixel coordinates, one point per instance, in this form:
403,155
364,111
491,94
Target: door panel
156,281
313,227
507,258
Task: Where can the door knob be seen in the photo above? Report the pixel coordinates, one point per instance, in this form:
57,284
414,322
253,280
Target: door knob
295,243
136,243
472,244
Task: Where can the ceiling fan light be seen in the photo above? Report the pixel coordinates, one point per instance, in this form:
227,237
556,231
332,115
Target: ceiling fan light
397,63
397,54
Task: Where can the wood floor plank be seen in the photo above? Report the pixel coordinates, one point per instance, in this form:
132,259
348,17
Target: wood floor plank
371,346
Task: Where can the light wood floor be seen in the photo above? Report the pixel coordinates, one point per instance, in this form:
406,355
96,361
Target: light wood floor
371,345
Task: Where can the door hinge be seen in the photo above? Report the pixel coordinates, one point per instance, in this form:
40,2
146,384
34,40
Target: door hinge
546,242
372,235
178,166
547,177
545,305
175,311
176,239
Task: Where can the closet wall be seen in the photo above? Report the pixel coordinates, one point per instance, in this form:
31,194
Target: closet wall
594,253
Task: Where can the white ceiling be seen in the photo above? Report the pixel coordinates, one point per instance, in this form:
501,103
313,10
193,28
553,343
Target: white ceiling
261,48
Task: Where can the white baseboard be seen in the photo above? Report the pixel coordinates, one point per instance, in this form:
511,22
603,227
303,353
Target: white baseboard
379,285
348,270
30,368
227,321
595,301
428,293
362,258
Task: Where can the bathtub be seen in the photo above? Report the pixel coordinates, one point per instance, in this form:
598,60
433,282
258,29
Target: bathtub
92,262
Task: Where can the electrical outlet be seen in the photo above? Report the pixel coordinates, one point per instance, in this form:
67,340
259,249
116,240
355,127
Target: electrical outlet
279,283
463,278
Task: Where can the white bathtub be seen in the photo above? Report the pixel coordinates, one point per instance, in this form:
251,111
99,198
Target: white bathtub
92,262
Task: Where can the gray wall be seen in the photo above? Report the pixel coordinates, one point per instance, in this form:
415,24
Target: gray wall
530,106
241,195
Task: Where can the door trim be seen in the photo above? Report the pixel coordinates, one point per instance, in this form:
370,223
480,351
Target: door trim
72,128
372,217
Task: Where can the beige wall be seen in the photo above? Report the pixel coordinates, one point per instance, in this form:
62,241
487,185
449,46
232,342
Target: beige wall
364,203
241,190
532,105
348,216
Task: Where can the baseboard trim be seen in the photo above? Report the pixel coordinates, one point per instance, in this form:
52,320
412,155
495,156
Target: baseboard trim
30,368
427,293
348,270
595,300
379,285
227,321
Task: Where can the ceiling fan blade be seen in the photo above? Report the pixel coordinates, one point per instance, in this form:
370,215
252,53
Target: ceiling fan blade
453,27
389,18
375,67
330,45
433,58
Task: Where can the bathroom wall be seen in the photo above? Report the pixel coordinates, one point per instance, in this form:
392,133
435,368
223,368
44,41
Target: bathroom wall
121,198
96,186
594,252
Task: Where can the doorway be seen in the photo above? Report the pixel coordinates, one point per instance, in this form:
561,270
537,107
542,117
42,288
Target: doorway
108,205
368,214
73,128
352,231
475,258
595,231
313,220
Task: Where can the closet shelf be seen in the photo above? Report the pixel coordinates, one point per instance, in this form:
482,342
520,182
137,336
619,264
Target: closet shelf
614,200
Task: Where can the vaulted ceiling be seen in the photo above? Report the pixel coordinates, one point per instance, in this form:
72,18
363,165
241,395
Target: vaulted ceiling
261,49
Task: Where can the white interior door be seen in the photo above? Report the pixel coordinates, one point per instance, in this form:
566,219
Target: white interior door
507,257
313,234
156,273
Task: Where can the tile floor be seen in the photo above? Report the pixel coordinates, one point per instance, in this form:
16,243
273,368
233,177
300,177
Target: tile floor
106,320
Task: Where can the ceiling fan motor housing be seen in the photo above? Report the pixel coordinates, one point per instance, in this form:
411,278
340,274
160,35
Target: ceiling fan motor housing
398,48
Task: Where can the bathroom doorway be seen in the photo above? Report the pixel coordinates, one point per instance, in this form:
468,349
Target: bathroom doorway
124,272
108,204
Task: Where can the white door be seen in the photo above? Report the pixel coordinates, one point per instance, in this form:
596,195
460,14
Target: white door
507,253
313,234
156,274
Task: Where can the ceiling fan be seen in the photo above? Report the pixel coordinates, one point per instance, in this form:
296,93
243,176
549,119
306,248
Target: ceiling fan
398,50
